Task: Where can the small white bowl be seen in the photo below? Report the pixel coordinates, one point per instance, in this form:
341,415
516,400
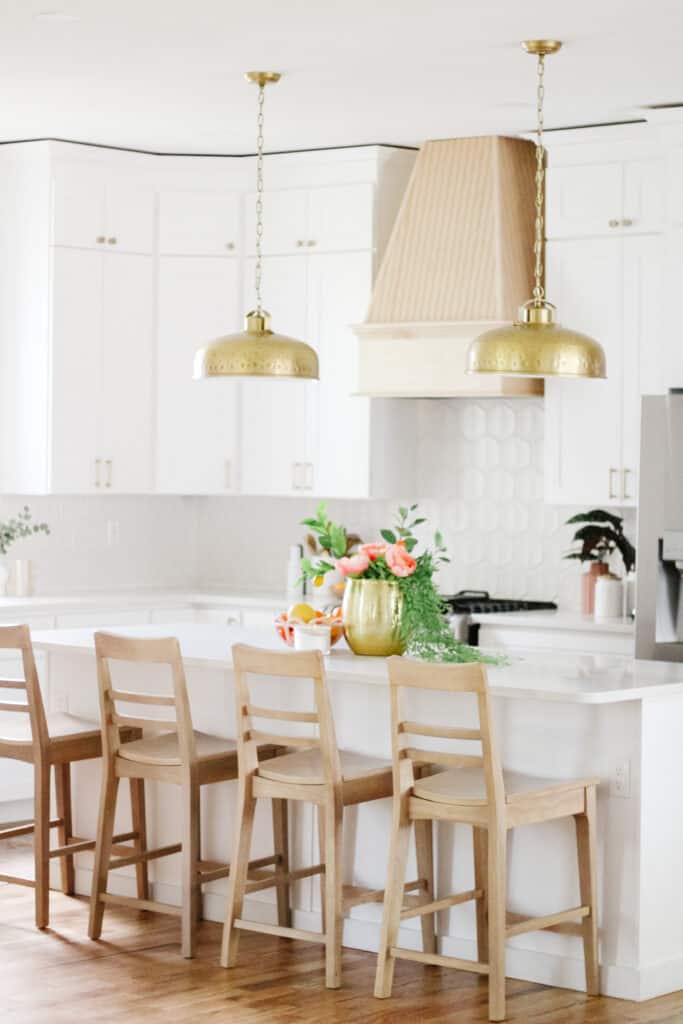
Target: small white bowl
309,637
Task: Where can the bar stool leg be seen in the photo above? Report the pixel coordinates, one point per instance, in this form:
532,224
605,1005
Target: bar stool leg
281,849
393,899
244,823
334,913
424,849
497,902
139,822
480,841
41,842
320,814
105,833
585,843
65,830
190,868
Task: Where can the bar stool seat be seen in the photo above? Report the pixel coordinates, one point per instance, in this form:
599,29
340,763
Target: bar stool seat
305,767
59,726
165,749
468,786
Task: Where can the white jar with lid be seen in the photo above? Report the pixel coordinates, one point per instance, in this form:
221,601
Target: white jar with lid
609,597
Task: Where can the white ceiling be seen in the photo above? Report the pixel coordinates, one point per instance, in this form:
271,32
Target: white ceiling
166,75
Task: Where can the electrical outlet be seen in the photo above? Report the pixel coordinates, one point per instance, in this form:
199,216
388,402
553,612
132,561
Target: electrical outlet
620,781
113,533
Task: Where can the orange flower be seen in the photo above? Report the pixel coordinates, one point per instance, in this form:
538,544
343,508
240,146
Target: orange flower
399,561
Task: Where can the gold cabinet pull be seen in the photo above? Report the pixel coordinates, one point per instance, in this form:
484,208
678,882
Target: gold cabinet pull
230,246
613,222
108,464
101,239
112,241
98,464
625,473
627,222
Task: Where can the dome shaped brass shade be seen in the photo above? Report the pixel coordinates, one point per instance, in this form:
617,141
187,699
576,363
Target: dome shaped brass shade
256,352
536,346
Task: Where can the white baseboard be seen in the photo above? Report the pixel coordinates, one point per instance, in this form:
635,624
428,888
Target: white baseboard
359,933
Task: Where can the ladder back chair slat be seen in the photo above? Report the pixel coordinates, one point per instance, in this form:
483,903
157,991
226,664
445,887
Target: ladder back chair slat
18,638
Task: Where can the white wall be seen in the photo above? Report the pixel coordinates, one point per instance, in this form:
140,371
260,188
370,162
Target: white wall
480,482
108,543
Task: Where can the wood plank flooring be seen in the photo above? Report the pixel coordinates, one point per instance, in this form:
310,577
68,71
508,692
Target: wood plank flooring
136,975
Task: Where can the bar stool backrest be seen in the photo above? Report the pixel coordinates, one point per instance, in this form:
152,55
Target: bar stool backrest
18,638
406,673
148,651
293,665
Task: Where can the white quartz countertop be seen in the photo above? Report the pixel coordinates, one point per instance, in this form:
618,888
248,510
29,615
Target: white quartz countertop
141,599
533,675
549,619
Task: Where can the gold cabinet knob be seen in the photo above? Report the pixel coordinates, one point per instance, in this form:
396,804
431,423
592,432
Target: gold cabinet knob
100,239
613,223
300,243
112,241
627,222
230,246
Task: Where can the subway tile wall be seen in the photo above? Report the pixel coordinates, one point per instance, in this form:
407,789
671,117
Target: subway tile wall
480,482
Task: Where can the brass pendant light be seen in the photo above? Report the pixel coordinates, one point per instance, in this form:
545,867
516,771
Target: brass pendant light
257,351
535,345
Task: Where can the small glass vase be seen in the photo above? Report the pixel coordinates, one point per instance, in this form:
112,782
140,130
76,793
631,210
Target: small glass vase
371,612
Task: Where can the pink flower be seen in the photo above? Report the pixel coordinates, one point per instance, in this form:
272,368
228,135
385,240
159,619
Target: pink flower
373,551
399,561
354,565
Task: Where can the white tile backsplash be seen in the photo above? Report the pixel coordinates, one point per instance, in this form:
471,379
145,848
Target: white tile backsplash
480,482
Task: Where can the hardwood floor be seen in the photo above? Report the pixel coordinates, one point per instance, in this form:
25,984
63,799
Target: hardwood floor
136,975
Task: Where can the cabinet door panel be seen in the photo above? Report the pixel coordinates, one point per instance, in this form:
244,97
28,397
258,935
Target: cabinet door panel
274,449
340,287
341,218
78,208
76,349
583,199
285,214
583,417
197,421
199,223
645,371
644,195
129,217
127,373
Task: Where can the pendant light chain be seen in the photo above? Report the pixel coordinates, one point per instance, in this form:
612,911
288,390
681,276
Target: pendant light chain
540,183
258,269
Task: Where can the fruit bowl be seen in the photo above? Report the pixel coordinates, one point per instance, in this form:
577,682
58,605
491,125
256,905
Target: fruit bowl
305,615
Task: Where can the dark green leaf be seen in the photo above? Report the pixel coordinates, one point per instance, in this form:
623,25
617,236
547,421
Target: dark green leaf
388,536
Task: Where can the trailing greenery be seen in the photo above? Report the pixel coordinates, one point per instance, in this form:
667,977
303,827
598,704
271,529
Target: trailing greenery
425,629
19,526
601,534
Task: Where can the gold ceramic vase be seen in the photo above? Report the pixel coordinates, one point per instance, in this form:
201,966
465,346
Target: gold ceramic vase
372,616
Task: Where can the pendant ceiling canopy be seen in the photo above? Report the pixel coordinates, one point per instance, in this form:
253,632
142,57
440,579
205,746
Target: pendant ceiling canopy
535,345
257,351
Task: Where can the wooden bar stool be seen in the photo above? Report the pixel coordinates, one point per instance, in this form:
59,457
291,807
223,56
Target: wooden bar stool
317,772
50,741
474,790
175,754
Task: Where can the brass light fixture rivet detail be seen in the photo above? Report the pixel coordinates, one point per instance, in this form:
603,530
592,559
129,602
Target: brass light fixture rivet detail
535,345
257,351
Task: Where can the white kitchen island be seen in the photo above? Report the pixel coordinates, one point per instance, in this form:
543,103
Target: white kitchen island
558,715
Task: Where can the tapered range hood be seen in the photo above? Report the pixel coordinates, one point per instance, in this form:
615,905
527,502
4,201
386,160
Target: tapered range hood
459,261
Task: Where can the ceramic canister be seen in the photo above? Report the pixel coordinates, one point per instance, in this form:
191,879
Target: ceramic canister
609,597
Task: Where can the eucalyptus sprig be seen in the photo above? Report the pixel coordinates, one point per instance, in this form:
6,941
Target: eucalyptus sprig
18,527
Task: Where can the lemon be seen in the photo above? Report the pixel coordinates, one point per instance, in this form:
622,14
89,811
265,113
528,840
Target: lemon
301,611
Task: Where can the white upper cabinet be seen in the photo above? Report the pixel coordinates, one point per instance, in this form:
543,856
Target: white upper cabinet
101,354
199,223
604,198
327,219
197,421
76,359
277,453
94,211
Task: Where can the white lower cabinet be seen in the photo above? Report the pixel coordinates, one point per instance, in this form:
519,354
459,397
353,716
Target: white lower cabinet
608,288
197,448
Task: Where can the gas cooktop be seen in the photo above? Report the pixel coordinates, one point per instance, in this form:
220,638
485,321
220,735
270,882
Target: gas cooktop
478,602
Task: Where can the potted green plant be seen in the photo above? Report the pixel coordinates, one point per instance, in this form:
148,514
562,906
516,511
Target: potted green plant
391,604
600,534
12,530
